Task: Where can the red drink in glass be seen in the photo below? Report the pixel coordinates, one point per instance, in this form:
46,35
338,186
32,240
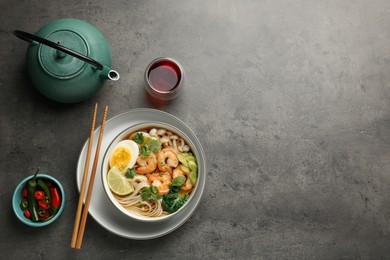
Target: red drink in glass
164,78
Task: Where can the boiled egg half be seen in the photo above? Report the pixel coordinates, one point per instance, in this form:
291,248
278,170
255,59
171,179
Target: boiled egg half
124,155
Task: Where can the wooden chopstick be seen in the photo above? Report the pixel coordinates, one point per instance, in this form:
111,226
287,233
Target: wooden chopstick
84,182
90,185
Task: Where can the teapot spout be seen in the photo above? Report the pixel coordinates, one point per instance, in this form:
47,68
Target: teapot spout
108,73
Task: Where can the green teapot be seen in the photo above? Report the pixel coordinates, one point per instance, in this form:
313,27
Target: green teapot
68,60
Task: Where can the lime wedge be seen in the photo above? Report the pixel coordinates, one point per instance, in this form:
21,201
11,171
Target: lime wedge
118,183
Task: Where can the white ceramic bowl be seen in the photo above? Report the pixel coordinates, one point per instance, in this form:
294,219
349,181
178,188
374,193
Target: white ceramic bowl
105,167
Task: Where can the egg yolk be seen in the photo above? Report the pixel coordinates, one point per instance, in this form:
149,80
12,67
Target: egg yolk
121,158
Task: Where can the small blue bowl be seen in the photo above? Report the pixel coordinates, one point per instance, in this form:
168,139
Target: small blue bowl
17,198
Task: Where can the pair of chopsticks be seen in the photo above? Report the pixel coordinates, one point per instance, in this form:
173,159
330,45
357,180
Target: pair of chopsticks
82,213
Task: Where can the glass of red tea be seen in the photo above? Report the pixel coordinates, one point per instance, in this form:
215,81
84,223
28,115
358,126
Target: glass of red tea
164,78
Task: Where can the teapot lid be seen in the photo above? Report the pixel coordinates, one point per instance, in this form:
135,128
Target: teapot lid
59,64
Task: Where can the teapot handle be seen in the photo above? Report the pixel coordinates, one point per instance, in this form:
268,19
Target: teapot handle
31,37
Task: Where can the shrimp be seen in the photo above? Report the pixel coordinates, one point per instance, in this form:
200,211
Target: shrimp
167,158
147,165
179,172
161,181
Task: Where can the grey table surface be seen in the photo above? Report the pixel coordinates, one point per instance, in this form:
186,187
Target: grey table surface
290,100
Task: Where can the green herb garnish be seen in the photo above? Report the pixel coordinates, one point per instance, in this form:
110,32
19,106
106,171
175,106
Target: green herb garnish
153,189
145,151
154,145
145,193
178,181
138,138
151,146
150,193
155,197
130,173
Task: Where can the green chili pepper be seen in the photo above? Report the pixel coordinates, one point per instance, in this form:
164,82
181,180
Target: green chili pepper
23,204
32,203
41,212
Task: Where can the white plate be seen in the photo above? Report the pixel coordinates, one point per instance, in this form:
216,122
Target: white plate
103,211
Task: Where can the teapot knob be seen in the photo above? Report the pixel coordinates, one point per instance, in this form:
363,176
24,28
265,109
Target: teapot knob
60,54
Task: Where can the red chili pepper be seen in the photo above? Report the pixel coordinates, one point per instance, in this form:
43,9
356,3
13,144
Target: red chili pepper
39,195
24,193
49,184
55,199
43,205
27,213
44,217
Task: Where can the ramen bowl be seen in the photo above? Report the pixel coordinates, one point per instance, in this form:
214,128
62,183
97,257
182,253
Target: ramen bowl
138,195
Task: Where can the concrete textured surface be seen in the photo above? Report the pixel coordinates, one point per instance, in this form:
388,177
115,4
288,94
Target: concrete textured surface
290,100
